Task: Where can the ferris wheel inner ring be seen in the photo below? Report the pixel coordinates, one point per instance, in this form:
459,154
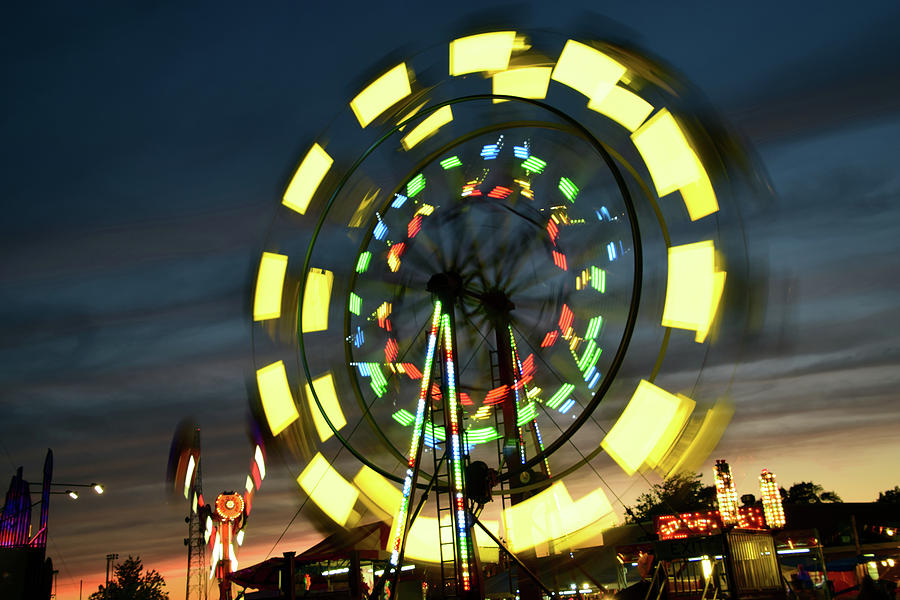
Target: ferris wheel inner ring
571,126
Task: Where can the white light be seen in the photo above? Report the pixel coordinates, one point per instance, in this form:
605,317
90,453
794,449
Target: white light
240,537
187,476
407,567
260,462
72,495
98,488
794,551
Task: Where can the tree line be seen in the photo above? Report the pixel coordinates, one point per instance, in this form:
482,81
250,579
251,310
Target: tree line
685,493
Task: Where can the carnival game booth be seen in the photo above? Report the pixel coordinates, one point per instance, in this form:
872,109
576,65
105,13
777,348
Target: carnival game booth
698,557
343,565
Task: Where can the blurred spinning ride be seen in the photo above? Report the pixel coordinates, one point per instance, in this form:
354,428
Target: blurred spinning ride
489,268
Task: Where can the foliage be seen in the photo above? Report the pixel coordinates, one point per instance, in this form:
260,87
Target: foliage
130,583
807,492
678,494
889,496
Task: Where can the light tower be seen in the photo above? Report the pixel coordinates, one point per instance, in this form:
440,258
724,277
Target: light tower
725,493
195,587
771,499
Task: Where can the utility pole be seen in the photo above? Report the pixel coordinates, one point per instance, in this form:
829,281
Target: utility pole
109,559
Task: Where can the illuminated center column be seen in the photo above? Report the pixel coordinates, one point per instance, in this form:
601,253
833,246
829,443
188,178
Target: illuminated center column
448,287
725,493
771,499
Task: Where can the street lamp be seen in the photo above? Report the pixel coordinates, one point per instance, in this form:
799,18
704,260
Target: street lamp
97,487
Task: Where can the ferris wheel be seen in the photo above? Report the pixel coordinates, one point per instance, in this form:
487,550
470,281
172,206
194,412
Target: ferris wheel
499,274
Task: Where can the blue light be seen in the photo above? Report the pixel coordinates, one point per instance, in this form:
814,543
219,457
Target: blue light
594,381
380,230
490,151
568,405
398,201
611,251
359,338
590,373
363,369
521,152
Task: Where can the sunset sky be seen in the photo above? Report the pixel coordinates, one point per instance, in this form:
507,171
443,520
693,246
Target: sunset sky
146,148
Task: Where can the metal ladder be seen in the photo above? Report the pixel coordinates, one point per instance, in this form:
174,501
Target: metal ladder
446,541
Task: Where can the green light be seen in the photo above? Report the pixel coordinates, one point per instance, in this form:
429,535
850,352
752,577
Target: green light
594,327
598,279
526,414
534,164
482,435
590,357
362,262
569,189
588,352
355,304
437,433
416,185
404,417
560,395
449,163
379,383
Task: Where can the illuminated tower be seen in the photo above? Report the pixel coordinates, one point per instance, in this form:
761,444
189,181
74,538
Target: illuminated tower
771,499
725,493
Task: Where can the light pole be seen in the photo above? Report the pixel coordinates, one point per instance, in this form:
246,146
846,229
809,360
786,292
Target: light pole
109,559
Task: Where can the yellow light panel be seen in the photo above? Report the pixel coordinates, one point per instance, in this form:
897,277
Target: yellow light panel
528,82
423,542
622,106
718,288
645,426
587,70
275,395
691,287
269,284
429,126
378,494
331,492
482,52
699,196
671,434
316,298
306,180
705,440
327,394
381,94
667,153
552,515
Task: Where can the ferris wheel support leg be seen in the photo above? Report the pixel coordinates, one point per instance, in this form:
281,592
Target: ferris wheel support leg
522,566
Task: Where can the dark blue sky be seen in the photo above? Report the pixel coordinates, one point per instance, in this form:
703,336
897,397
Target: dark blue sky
146,148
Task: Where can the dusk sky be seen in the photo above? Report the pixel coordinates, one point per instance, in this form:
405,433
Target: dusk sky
146,149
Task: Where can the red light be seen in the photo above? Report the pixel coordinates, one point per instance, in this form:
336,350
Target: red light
414,227
391,350
466,399
565,318
528,368
411,370
496,395
553,231
559,259
499,192
549,339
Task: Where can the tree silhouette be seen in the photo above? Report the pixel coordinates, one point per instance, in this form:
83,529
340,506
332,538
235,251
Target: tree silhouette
889,496
130,583
678,494
807,492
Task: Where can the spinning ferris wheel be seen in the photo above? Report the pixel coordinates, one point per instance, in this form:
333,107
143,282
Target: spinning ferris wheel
499,281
